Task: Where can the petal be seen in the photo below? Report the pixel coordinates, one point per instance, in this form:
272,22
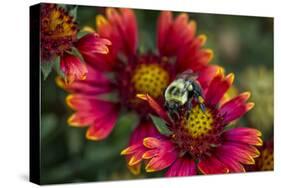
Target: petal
232,164
206,74
192,56
238,152
150,154
131,149
236,107
162,153
136,148
235,113
120,27
212,165
163,26
143,130
73,68
102,127
153,104
173,34
244,135
82,102
95,83
131,30
182,167
217,88
151,142
81,119
135,169
161,162
92,44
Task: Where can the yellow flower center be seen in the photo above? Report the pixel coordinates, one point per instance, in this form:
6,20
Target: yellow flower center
151,79
266,161
198,123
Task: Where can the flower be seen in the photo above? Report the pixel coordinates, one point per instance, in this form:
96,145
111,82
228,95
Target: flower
125,72
59,39
201,140
58,31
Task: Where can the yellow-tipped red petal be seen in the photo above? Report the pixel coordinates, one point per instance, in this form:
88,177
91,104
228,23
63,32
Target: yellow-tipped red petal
250,105
151,142
230,78
209,54
202,38
135,169
100,21
246,95
68,100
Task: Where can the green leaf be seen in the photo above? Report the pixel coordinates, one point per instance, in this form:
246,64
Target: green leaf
81,34
161,125
47,66
74,51
57,67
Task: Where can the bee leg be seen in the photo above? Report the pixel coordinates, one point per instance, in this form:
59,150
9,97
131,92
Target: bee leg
174,115
200,100
202,107
189,105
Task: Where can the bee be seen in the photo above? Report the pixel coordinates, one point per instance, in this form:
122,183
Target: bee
183,92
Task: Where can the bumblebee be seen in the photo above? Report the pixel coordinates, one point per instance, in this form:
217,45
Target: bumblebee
182,92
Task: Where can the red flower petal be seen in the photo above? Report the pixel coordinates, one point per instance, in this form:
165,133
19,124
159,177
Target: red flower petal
182,167
95,83
237,152
212,165
236,107
162,154
206,74
143,130
151,142
94,113
102,127
73,68
154,105
244,135
92,44
172,35
136,148
217,88
163,26
232,164
81,119
120,27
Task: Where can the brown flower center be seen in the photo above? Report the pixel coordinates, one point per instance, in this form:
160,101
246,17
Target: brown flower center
266,160
151,79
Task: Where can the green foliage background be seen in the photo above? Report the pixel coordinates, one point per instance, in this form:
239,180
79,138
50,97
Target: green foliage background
240,43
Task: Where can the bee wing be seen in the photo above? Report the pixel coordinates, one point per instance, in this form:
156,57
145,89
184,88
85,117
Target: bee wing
188,75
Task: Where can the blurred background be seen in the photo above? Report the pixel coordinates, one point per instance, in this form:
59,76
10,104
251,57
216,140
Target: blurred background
241,44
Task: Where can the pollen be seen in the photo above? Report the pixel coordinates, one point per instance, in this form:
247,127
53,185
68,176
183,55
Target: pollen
151,79
198,123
